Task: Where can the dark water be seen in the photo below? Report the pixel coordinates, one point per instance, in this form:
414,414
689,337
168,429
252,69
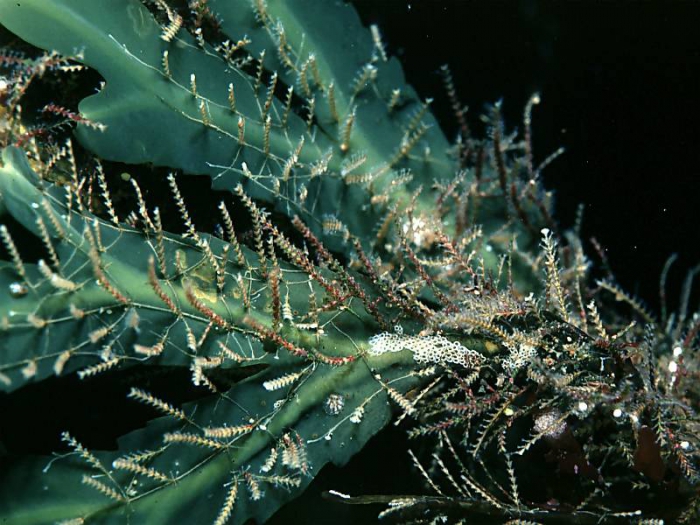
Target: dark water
619,83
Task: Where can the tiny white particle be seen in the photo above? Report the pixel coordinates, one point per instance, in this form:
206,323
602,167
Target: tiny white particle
673,367
339,494
677,351
617,413
685,445
582,406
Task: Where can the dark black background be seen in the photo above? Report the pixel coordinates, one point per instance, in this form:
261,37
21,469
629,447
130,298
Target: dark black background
619,83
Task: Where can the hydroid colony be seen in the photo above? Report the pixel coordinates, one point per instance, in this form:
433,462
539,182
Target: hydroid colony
360,271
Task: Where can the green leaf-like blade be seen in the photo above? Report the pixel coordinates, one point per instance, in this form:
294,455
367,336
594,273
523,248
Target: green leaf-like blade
200,476
311,411
157,116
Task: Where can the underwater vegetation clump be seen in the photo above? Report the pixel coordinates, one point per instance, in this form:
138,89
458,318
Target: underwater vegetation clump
353,270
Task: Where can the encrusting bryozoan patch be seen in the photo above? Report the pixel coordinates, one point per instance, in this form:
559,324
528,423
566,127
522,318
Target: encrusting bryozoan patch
426,349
